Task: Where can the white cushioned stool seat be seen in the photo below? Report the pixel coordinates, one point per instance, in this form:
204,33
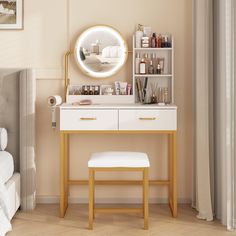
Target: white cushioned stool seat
119,159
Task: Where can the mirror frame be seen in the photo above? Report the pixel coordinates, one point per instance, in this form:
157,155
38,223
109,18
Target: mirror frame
90,73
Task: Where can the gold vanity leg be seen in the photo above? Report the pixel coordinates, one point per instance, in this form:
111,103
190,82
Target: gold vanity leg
62,175
66,140
145,197
172,171
91,196
170,154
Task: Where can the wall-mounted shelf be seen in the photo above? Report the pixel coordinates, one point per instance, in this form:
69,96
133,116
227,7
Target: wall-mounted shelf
153,49
163,80
153,75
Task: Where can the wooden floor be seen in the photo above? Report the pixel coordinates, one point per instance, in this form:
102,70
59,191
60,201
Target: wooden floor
44,221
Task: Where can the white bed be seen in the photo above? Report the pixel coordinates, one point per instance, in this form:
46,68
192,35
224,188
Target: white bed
9,186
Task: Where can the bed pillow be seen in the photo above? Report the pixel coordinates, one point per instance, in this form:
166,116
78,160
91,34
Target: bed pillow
6,166
3,139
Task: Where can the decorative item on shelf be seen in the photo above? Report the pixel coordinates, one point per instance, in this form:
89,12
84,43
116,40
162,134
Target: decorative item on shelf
158,68
165,43
138,36
147,60
117,87
154,88
163,96
147,30
145,41
166,95
137,63
159,41
142,67
139,89
91,90
153,41
161,62
123,88
151,68
96,90
108,91
85,90
129,89
161,99
145,90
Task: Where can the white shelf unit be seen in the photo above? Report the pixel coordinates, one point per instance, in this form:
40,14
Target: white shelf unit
163,80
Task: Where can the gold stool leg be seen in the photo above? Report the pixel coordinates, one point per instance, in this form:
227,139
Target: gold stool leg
145,197
91,197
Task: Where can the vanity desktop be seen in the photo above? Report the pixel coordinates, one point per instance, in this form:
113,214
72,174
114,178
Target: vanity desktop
108,111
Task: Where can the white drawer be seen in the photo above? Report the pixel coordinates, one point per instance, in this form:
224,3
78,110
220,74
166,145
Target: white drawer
147,119
88,119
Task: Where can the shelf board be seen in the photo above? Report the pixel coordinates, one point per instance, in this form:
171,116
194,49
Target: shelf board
152,49
155,75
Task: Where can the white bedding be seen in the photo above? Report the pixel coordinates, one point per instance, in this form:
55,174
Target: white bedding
5,224
6,172
6,166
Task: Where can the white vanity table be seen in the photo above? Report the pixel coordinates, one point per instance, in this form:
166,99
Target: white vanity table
114,118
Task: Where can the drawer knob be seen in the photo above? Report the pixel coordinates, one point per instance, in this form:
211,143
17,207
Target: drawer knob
147,118
88,118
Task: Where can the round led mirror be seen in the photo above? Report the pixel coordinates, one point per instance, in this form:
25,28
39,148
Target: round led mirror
100,51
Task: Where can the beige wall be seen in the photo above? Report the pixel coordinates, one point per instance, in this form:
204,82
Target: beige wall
41,45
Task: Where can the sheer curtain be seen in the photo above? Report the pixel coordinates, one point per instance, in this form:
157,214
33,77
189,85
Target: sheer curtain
214,108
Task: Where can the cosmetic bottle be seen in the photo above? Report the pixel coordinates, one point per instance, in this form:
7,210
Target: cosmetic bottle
129,86
138,36
159,41
158,69
147,61
145,41
166,95
142,67
150,68
137,62
154,62
153,41
161,101
91,90
85,92
96,90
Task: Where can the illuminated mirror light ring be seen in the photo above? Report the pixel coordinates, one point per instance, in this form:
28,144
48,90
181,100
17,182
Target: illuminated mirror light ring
122,44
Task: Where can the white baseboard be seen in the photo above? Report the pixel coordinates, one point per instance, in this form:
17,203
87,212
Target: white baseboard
77,200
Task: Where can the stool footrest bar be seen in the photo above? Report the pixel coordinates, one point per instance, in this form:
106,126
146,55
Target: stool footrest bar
118,210
119,182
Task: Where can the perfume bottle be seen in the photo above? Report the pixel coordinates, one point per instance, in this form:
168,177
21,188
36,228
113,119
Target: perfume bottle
142,67
159,41
145,41
138,36
150,68
91,90
85,90
96,90
166,95
137,62
153,41
158,69
147,61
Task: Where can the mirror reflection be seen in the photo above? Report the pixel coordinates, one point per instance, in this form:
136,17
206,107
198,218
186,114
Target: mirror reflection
100,51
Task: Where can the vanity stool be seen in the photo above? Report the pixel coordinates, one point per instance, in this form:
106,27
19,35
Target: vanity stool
118,161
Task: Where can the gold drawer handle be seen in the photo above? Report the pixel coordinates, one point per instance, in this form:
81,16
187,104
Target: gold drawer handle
147,118
88,118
